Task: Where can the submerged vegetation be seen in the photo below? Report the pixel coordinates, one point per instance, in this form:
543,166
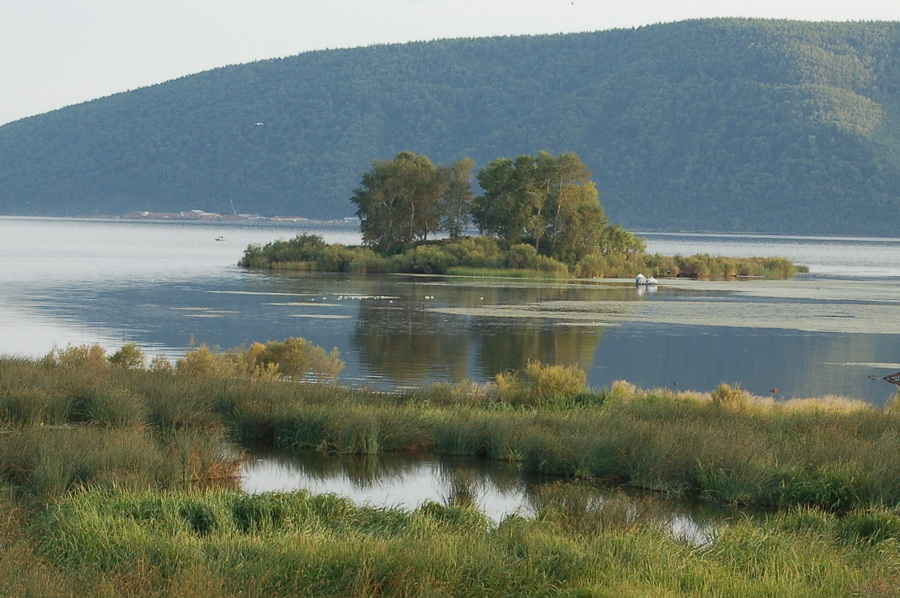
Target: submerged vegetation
115,479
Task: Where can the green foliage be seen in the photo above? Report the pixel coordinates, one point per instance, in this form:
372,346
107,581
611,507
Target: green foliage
302,248
223,543
403,200
295,358
108,508
424,259
541,384
724,124
129,357
546,201
526,257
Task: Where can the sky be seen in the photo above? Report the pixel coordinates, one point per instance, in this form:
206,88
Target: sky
61,52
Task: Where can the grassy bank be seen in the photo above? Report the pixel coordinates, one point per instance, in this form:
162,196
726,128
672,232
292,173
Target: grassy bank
165,422
481,256
228,544
114,480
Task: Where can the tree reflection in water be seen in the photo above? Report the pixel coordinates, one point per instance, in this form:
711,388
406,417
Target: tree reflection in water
407,340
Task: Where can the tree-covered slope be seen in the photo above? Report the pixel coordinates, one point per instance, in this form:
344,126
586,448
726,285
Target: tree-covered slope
741,125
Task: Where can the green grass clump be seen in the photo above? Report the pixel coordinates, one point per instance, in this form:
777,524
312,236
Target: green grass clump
299,544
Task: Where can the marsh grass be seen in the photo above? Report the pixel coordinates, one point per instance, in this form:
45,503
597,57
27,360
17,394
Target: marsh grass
120,475
484,257
299,544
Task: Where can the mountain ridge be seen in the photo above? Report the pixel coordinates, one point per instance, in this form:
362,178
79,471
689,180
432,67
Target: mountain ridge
736,125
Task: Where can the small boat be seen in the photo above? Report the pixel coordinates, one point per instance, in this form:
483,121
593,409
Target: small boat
220,238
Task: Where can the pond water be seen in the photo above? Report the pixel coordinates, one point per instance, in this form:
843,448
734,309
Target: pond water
497,489
167,285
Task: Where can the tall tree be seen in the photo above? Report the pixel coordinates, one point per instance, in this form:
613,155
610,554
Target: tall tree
399,201
548,201
506,207
456,205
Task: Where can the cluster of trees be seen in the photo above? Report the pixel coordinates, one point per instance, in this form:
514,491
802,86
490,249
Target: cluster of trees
403,200
546,201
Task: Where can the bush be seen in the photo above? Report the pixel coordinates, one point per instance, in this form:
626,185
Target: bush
302,248
475,252
425,259
730,398
526,257
296,358
129,357
540,384
77,357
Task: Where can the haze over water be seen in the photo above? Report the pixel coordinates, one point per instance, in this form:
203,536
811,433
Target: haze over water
166,285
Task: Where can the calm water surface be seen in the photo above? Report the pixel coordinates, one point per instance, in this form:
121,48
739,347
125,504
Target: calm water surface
498,489
166,285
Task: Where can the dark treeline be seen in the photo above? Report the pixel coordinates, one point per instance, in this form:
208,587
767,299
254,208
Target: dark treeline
732,124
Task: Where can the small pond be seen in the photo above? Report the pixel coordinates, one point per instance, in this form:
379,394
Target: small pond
499,489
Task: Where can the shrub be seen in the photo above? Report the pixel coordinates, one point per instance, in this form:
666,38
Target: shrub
592,265
540,384
77,357
475,252
296,358
129,357
334,258
425,259
526,257
204,361
730,398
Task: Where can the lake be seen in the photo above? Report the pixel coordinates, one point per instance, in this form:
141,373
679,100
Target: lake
169,285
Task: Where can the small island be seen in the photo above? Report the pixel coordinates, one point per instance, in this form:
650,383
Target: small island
538,217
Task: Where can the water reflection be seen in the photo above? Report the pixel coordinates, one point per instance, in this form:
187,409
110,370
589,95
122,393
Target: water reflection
415,335
497,489
163,284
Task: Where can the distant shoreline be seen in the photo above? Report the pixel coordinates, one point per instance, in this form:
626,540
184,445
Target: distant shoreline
198,218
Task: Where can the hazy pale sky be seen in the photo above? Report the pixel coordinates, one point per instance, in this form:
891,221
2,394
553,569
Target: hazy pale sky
61,52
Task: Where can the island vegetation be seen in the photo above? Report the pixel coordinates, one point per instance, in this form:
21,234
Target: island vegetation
116,479
710,125
538,216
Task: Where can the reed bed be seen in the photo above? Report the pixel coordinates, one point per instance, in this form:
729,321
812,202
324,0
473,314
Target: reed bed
723,446
115,481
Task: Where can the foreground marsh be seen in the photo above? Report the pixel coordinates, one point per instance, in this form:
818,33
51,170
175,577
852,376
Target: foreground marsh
114,481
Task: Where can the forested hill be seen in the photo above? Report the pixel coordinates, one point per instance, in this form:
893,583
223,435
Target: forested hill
729,125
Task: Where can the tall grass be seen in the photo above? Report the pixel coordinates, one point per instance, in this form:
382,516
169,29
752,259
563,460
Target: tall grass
111,484
303,545
723,446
